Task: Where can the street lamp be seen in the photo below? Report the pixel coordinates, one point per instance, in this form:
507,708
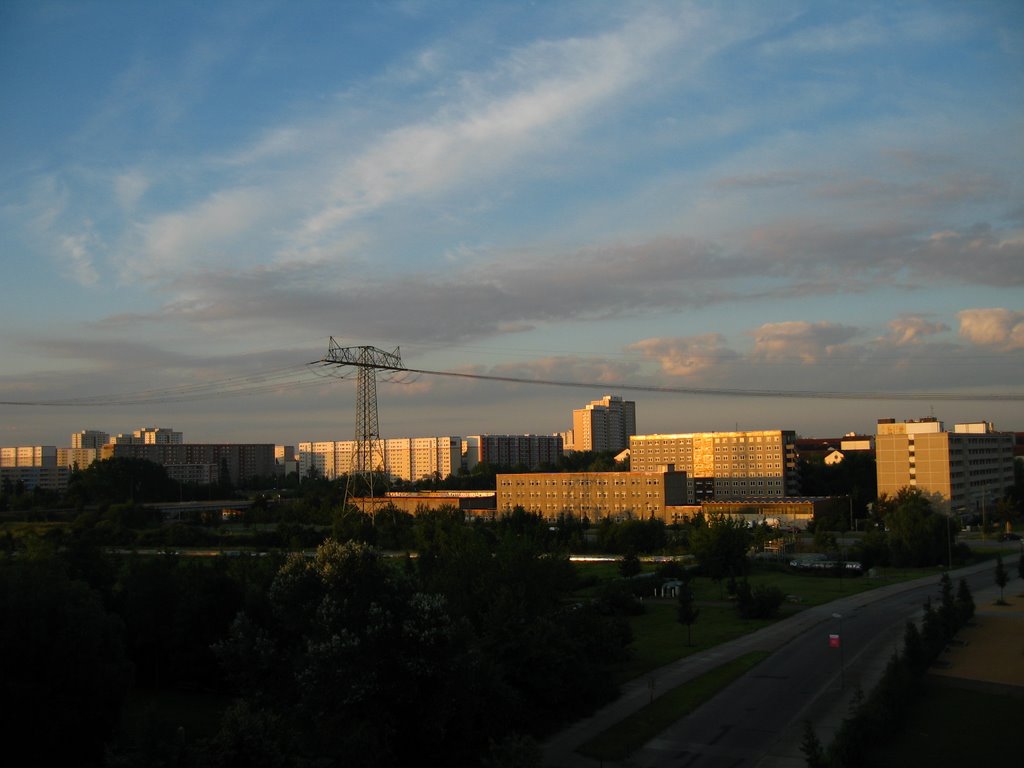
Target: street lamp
838,643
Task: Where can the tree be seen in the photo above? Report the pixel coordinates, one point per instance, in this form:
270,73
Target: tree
355,665
686,609
629,565
761,601
917,534
964,603
947,606
1001,578
933,634
810,745
720,545
913,649
63,673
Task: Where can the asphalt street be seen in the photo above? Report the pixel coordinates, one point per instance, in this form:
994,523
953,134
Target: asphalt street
758,720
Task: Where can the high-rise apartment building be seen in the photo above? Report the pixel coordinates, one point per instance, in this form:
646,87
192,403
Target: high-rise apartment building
90,438
723,465
150,436
34,466
529,451
960,470
604,425
202,462
406,458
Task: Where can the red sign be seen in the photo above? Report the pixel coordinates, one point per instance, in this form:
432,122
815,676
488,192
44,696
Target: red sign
833,641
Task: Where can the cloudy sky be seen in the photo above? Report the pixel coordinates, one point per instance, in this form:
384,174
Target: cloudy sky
788,196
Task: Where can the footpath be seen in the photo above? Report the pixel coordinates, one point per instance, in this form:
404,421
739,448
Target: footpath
560,749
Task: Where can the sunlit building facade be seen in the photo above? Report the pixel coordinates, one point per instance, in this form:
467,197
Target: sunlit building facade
594,495
32,466
723,465
961,471
406,458
603,425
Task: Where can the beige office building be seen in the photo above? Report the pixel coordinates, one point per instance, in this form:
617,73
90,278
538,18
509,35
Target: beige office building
595,495
723,465
961,471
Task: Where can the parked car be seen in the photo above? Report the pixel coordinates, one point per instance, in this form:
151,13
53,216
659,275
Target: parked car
1009,536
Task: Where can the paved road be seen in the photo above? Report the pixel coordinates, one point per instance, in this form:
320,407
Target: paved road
757,721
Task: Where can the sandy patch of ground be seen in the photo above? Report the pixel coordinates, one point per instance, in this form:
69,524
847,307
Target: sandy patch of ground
993,649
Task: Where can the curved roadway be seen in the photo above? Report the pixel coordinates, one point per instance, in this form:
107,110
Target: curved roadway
758,720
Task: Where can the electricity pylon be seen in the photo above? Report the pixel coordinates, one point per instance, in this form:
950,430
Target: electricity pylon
369,458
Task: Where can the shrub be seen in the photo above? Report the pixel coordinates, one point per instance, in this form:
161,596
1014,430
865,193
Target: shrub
759,602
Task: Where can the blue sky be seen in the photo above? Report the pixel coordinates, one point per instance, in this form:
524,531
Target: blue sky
806,196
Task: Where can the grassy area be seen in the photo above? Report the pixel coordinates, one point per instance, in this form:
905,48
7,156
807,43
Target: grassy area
628,735
954,726
660,639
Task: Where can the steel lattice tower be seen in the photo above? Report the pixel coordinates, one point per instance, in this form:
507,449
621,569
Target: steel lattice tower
369,460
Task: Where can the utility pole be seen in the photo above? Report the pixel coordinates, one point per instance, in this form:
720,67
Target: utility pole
369,458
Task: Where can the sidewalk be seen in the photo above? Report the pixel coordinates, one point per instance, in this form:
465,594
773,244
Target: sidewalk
560,749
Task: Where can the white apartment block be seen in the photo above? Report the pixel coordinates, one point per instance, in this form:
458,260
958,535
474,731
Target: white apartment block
90,438
77,458
150,436
29,456
406,458
961,471
604,425
723,465
32,466
529,451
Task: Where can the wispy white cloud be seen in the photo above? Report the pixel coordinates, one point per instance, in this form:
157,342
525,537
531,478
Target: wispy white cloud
78,250
529,103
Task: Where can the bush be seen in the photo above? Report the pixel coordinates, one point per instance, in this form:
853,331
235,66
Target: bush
759,602
617,599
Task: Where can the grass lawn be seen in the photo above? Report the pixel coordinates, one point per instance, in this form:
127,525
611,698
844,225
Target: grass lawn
628,735
660,639
955,726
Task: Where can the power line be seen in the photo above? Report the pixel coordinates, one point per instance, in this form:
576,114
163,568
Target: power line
296,376
708,391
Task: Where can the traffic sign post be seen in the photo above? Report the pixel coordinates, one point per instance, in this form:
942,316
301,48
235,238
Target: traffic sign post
835,641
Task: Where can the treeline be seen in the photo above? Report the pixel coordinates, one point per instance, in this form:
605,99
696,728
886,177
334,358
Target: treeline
467,654
122,479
